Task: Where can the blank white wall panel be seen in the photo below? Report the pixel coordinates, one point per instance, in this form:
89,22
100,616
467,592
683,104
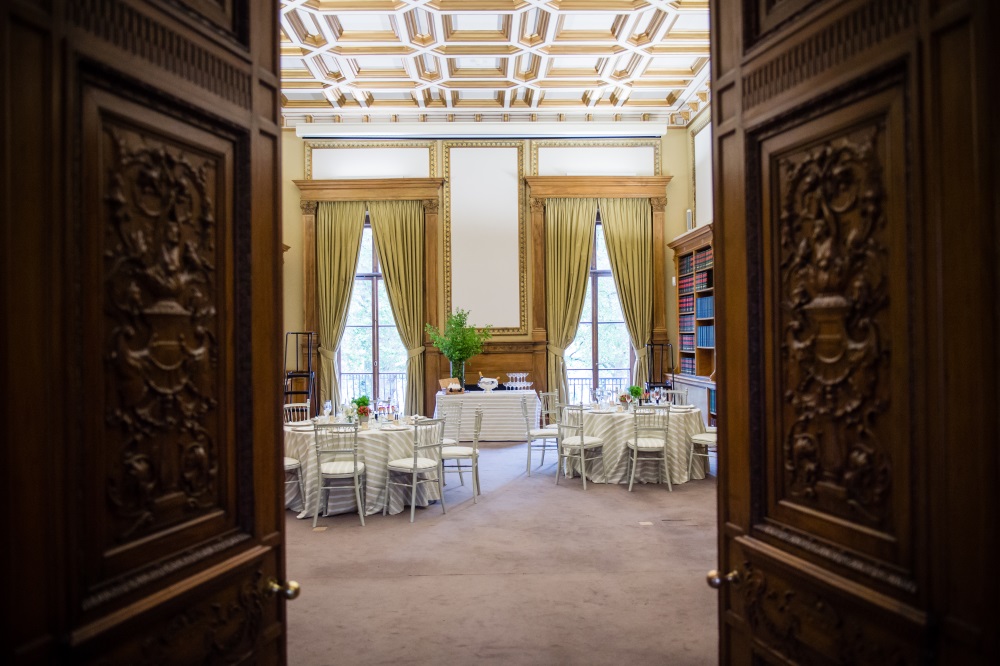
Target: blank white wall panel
703,176
484,212
597,161
348,163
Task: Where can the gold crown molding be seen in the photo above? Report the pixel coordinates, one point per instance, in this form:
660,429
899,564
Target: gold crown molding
522,245
431,147
596,143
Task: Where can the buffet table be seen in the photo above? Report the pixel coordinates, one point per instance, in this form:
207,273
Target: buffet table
502,417
615,428
376,448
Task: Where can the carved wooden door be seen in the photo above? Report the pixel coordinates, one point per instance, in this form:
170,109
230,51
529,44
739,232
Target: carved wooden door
855,230
142,304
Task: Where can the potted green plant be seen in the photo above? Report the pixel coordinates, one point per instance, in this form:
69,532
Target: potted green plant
459,341
362,407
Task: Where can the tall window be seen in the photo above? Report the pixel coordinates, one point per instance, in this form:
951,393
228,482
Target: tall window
601,354
372,359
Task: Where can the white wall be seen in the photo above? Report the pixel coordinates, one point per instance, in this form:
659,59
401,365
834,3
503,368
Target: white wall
374,162
484,220
597,161
703,176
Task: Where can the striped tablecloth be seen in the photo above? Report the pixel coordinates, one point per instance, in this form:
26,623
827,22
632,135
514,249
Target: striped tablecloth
615,428
502,417
377,447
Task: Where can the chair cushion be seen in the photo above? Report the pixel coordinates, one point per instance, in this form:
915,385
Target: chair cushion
647,444
406,464
449,452
706,438
544,433
340,467
448,441
574,442
291,463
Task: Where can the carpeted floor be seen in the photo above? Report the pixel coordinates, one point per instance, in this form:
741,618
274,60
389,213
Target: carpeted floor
533,574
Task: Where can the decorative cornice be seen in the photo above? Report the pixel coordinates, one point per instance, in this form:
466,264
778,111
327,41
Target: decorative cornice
658,204
646,187
431,206
308,207
145,38
368,189
843,39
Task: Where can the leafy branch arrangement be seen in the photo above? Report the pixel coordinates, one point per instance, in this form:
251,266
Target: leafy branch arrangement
459,342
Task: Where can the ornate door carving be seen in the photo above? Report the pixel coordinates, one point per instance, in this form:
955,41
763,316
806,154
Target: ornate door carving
145,432
843,518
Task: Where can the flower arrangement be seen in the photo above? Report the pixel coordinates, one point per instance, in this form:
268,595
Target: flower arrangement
635,392
362,405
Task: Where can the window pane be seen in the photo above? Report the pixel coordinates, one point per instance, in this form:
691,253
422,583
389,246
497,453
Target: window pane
359,313
391,352
365,258
613,380
609,308
588,313
356,350
603,262
384,309
612,346
579,353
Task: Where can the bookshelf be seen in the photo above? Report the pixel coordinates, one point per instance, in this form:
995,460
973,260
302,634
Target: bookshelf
694,263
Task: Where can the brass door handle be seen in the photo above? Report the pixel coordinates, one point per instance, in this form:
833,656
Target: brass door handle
289,590
715,579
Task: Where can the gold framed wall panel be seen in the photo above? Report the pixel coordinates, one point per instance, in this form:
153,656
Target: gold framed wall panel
311,145
597,143
522,328
700,122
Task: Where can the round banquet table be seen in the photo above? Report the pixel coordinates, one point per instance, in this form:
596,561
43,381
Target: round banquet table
615,428
376,448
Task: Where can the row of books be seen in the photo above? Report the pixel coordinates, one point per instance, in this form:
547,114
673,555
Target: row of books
686,303
703,259
705,308
687,342
703,281
687,365
706,336
685,323
685,284
712,401
685,264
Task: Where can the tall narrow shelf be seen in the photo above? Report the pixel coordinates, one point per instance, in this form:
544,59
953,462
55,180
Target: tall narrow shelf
694,264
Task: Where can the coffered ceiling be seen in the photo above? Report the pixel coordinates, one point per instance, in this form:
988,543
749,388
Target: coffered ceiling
493,61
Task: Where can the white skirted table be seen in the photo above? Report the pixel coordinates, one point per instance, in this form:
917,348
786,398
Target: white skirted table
377,447
615,428
502,417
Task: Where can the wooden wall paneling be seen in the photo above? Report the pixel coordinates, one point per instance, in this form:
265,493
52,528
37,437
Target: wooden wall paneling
660,333
432,308
310,316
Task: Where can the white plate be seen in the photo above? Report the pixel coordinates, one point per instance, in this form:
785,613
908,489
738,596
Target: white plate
395,427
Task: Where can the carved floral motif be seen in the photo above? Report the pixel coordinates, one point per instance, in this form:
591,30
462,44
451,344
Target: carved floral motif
834,305
161,330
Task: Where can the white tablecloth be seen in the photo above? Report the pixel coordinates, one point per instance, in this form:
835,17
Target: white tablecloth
615,428
502,417
377,447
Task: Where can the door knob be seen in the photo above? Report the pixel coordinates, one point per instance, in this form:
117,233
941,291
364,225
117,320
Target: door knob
715,579
289,590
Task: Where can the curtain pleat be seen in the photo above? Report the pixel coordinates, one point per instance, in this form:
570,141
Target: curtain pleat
569,243
398,230
339,225
628,233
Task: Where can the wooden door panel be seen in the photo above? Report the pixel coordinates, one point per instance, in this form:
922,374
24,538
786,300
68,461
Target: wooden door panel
856,251
145,436
835,261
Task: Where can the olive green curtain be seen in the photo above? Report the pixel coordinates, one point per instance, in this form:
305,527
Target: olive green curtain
628,233
398,230
569,243
339,225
